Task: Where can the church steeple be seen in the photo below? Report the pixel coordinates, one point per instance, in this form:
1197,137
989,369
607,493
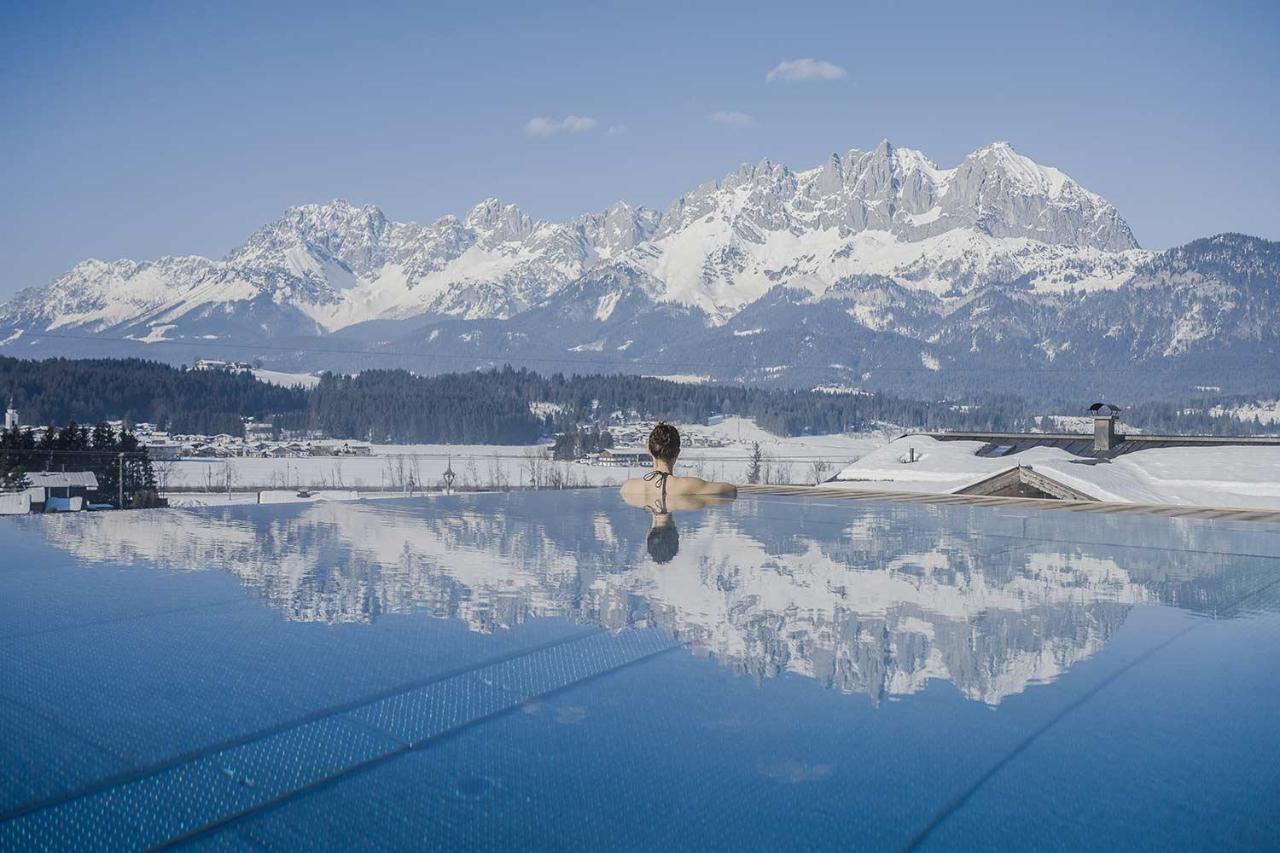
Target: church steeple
11,415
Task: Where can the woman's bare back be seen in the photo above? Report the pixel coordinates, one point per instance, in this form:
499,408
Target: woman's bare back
654,487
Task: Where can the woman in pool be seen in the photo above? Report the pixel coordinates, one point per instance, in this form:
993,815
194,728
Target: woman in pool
661,490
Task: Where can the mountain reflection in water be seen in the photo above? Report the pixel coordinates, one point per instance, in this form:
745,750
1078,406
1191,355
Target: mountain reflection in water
865,597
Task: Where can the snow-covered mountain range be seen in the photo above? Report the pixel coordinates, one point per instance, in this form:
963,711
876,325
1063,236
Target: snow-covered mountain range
875,269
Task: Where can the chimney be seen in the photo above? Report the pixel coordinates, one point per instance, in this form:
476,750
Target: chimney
1104,426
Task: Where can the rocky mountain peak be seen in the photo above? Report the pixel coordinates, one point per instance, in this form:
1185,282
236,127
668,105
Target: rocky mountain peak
335,229
497,222
619,228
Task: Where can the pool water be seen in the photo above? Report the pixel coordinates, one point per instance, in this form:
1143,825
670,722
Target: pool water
518,670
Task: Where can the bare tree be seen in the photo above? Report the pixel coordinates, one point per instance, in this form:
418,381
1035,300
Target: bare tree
535,464
775,471
497,474
818,469
164,473
396,472
229,476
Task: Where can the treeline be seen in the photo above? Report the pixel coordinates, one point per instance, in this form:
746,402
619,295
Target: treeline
118,460
60,390
574,444
499,406
594,398
395,406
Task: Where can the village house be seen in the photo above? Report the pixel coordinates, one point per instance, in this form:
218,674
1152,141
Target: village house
60,491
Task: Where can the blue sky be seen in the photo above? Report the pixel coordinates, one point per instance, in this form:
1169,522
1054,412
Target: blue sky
138,130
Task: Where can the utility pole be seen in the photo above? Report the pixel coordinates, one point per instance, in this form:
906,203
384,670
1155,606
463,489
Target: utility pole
120,482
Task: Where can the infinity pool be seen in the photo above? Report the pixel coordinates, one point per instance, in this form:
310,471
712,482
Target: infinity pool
520,671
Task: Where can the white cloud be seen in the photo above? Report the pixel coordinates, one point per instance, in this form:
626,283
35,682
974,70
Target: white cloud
545,126
729,118
805,69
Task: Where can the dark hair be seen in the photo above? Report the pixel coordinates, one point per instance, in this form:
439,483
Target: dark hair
664,442
664,542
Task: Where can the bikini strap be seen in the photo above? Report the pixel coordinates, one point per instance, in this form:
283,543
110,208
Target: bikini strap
661,477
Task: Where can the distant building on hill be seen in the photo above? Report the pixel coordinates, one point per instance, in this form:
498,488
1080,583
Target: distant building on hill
258,430
11,416
341,448
228,366
164,450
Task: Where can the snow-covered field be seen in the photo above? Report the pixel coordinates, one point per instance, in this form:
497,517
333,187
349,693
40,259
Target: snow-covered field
1243,476
786,460
287,380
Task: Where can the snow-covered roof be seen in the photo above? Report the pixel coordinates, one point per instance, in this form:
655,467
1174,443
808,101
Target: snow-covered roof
1226,476
63,479
15,503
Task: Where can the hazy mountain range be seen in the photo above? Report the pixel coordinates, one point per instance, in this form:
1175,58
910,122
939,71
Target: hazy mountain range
876,269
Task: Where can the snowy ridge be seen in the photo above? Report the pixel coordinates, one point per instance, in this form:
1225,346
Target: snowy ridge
888,211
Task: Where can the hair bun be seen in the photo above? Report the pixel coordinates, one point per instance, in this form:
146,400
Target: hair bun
664,442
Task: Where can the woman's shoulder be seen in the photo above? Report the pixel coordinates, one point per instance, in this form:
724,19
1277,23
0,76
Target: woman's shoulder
632,486
699,486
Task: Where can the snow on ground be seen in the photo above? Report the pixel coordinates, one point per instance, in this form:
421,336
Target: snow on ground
1266,411
800,459
268,496
155,334
394,465
685,378
1241,476
288,380
840,389
542,409
1084,424
390,465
